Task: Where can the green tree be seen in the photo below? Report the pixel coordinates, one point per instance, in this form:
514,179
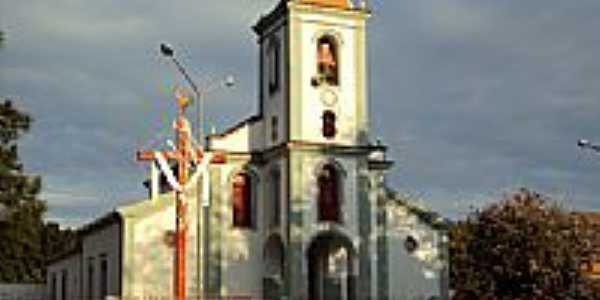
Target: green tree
523,247
26,243
21,258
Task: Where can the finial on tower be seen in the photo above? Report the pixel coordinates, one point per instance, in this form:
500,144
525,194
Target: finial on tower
363,4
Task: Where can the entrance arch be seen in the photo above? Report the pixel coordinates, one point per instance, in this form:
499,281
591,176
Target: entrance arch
332,268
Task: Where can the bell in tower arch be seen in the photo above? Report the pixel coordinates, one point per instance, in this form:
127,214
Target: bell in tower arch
327,60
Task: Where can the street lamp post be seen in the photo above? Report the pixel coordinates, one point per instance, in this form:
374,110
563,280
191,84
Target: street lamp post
203,224
583,144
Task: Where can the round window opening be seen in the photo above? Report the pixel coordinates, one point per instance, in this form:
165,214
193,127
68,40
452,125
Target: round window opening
411,244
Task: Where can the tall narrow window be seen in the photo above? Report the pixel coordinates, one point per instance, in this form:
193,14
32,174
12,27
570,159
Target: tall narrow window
103,277
276,197
242,200
327,60
329,127
274,128
273,64
64,284
328,201
90,278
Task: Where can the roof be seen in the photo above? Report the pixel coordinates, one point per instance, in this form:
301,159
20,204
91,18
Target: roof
281,9
232,129
267,20
343,4
431,218
76,250
100,223
97,224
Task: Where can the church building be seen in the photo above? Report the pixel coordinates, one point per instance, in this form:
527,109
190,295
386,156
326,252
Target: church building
299,210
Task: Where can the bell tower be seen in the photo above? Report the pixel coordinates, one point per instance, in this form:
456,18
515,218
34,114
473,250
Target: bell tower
313,72
313,103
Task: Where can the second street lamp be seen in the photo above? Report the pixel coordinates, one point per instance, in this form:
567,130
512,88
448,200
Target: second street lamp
586,144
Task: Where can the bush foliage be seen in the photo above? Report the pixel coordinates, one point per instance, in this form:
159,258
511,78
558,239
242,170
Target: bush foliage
523,247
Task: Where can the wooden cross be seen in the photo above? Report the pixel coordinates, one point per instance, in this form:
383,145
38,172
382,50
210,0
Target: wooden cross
183,154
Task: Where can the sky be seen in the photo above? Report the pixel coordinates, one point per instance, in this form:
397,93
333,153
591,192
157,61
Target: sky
474,98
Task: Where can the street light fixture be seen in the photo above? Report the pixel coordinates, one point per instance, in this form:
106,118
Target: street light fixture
229,81
166,50
583,143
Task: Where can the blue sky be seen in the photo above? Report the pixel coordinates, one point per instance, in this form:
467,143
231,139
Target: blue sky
474,98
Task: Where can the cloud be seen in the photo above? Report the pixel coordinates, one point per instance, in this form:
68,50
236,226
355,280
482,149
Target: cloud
474,98
490,107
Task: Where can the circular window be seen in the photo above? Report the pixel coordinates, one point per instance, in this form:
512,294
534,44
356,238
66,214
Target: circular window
411,244
329,98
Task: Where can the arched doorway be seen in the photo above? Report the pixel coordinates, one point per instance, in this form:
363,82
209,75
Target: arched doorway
332,268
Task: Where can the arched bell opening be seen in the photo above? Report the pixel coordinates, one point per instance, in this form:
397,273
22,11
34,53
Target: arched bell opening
327,60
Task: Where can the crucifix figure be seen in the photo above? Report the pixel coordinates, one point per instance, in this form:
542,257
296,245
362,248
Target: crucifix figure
183,153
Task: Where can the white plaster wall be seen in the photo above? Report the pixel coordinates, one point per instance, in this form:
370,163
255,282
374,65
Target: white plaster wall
236,141
281,164
150,261
71,264
247,138
241,249
416,275
256,135
150,270
149,252
105,241
275,104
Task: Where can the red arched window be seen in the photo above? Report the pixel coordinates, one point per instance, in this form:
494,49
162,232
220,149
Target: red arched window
242,197
329,206
329,128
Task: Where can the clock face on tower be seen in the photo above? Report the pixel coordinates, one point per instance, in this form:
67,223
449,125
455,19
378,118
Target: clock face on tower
328,97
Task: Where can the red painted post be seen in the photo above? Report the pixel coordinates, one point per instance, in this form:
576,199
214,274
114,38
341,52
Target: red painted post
182,155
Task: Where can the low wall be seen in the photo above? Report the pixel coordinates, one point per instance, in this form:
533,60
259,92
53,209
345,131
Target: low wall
22,291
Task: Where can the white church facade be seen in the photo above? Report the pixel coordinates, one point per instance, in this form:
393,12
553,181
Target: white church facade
300,208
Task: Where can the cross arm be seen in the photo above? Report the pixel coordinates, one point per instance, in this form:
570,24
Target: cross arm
144,155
